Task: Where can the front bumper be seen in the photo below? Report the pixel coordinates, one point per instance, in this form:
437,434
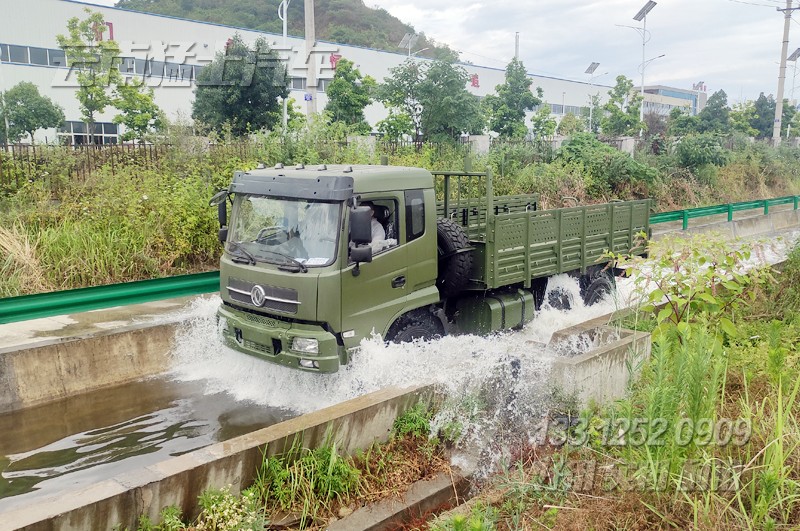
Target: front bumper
271,340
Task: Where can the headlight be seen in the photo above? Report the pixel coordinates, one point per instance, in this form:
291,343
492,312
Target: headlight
305,344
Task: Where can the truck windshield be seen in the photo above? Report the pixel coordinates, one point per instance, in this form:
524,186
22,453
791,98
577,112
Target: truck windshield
284,231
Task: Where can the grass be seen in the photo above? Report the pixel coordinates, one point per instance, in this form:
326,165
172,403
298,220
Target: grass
131,222
306,488
707,438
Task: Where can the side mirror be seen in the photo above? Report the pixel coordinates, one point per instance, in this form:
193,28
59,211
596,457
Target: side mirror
361,225
222,207
361,254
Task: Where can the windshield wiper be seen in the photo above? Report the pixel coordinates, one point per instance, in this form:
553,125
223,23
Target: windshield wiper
245,253
300,264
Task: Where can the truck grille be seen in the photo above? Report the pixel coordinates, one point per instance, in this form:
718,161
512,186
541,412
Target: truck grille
279,299
259,347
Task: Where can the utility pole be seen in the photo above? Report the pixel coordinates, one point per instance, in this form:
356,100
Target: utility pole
776,130
283,14
311,73
516,47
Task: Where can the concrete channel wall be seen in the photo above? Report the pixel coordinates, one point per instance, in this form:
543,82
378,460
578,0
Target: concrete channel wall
54,369
179,481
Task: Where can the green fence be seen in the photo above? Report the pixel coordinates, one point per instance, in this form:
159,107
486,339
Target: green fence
13,309
685,215
26,307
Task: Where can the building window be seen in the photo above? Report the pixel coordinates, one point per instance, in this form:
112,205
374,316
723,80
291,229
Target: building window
74,133
57,58
4,52
156,68
298,83
18,54
556,108
322,85
38,56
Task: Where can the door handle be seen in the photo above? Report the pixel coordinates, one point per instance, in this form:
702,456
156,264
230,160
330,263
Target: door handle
399,282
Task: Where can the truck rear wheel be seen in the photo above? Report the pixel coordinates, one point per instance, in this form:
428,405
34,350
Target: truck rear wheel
419,324
455,257
597,286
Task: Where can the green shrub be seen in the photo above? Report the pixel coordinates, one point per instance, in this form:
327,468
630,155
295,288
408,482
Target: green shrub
610,169
699,150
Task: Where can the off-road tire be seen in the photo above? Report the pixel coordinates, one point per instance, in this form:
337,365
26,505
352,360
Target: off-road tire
454,270
560,299
419,324
596,286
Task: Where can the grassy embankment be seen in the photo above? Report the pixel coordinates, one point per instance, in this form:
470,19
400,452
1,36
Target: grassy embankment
707,438
128,222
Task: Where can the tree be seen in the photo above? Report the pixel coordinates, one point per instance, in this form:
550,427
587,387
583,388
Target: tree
92,58
448,109
622,110
542,124
715,116
506,110
763,117
348,94
241,88
401,90
28,111
741,116
680,122
569,125
435,97
139,113
395,126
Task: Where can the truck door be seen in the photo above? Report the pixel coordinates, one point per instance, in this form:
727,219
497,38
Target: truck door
374,297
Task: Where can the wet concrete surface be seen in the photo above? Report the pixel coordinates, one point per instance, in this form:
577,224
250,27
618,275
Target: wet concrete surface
78,441
60,327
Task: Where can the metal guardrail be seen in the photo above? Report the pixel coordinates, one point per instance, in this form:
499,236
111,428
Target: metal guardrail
23,308
685,215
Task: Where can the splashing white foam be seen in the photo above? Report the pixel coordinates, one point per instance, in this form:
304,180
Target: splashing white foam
452,362
495,387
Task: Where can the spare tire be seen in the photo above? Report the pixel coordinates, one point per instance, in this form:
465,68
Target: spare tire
455,257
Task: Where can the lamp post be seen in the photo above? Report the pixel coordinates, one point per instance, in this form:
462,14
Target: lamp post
592,77
283,12
409,40
795,55
641,16
3,106
641,105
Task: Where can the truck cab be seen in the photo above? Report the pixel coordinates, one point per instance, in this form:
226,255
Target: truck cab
291,291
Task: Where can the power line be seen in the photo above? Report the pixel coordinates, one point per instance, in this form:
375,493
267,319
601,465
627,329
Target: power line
751,3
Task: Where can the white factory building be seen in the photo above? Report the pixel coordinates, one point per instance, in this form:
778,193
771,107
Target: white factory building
168,51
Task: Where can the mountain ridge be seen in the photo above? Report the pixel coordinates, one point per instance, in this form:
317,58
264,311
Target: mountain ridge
340,21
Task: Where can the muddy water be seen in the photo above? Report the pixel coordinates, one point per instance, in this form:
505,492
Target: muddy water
72,443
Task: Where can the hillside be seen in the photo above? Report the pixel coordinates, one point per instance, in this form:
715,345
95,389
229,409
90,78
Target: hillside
342,21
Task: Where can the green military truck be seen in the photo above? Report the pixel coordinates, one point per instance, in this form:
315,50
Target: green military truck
316,259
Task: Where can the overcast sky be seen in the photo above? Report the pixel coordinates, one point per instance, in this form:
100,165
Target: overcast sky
733,45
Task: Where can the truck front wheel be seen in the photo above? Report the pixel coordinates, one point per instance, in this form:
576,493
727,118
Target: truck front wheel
415,325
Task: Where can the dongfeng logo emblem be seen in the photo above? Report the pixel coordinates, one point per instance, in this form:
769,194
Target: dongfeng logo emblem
258,295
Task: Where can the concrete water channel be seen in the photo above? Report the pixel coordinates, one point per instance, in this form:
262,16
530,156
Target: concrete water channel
95,429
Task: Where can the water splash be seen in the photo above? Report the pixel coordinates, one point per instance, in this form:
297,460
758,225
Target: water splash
496,388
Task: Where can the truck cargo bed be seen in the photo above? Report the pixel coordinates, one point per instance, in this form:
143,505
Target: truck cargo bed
522,246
